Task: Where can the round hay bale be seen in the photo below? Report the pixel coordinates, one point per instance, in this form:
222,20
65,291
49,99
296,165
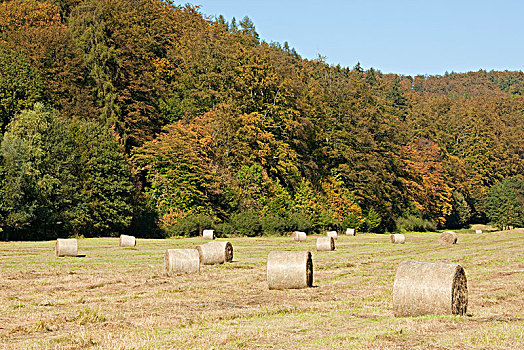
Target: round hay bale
208,234
325,243
66,247
289,270
127,241
422,288
215,252
398,238
178,261
448,237
332,234
350,232
299,236
478,231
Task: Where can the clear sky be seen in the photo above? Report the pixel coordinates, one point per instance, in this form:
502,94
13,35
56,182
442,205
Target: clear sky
395,36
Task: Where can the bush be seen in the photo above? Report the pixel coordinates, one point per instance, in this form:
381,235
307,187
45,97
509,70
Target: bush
224,229
371,222
190,226
246,223
298,222
414,223
274,225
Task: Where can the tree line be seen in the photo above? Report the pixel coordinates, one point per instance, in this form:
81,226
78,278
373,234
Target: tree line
149,117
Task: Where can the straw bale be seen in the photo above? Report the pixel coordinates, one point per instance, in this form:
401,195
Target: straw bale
423,288
289,269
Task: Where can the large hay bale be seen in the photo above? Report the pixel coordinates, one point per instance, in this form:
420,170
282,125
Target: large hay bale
208,234
332,234
215,252
478,231
66,247
299,236
178,261
350,232
325,243
397,238
127,241
448,237
289,270
422,288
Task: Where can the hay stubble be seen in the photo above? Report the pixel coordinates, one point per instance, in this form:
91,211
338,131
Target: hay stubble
131,304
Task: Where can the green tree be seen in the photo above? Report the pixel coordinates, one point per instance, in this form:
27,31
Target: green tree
20,85
505,203
62,177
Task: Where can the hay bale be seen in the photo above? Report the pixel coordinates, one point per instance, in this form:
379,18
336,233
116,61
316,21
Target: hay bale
66,247
215,252
397,238
289,270
350,232
448,237
299,236
181,261
127,241
325,243
208,234
422,288
478,231
332,234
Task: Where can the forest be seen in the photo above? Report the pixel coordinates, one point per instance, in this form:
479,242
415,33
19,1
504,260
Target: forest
149,117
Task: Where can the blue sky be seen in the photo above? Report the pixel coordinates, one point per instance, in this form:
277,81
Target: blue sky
396,36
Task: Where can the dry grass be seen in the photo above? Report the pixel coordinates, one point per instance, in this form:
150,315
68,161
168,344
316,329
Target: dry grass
115,298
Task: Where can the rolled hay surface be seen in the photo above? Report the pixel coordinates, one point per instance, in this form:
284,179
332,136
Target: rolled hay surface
289,270
332,234
478,231
350,232
66,247
423,288
299,236
208,234
178,261
215,252
127,241
325,243
448,237
398,238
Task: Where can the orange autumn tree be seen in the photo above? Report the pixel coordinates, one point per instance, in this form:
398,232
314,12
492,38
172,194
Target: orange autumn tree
425,178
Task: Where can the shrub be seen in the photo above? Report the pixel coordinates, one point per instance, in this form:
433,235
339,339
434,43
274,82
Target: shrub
274,225
298,222
246,223
371,222
224,229
414,223
190,226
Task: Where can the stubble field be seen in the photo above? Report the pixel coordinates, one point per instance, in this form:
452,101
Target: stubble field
119,298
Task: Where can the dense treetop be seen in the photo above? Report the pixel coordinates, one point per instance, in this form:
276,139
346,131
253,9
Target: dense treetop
120,115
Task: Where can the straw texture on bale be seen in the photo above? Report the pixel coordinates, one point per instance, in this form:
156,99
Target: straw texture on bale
325,243
448,237
350,232
422,288
208,234
478,231
299,236
332,234
289,270
398,238
177,261
127,241
66,247
215,252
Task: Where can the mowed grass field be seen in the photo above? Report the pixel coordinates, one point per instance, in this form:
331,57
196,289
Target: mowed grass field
119,298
